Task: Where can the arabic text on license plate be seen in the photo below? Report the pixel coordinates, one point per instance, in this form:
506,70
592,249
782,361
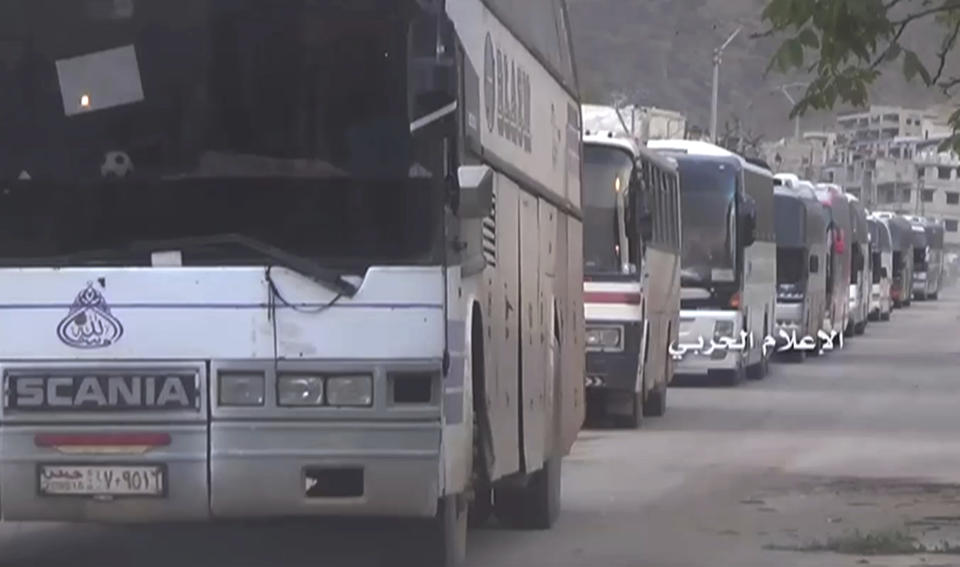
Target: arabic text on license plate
120,480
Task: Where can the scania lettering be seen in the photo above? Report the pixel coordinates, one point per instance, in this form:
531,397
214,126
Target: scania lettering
729,262
293,258
631,271
76,393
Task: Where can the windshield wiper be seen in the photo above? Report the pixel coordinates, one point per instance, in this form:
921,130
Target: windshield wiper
304,266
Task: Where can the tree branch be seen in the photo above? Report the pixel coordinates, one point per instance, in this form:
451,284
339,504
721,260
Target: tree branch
946,47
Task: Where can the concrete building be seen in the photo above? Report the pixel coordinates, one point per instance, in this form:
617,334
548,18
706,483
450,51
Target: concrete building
938,187
644,122
806,157
875,128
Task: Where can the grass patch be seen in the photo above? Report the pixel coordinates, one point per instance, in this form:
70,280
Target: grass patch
890,542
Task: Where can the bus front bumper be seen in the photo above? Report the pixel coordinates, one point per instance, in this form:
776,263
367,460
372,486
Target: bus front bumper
242,469
708,326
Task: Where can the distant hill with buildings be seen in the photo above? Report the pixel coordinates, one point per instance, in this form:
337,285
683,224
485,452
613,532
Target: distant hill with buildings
658,53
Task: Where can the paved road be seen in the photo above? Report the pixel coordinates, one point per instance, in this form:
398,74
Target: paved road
860,440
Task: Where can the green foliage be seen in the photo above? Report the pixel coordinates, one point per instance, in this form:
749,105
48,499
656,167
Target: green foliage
847,44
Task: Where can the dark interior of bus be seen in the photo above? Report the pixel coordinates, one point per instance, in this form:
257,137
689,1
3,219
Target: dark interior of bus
213,122
791,266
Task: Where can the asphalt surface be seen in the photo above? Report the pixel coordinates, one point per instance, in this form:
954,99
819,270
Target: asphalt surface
863,441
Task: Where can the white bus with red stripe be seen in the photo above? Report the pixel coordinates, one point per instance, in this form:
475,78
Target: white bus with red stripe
631,277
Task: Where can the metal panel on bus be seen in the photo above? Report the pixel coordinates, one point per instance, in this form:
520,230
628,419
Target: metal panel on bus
548,299
531,329
572,331
524,110
504,316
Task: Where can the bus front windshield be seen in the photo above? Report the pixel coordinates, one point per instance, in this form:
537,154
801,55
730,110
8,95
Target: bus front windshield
606,178
193,104
708,192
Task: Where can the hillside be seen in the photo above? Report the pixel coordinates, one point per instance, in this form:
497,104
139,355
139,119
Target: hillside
659,52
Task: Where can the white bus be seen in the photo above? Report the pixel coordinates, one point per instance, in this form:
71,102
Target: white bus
292,259
928,258
729,260
632,277
881,250
860,279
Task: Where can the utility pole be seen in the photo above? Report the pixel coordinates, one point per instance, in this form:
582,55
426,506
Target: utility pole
715,101
793,104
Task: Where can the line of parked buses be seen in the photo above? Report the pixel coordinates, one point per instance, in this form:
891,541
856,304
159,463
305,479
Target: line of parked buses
688,243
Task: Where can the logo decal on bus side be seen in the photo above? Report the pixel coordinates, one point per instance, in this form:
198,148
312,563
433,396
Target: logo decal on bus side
508,96
89,324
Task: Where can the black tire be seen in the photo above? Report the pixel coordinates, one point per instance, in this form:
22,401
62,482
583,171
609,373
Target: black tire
656,404
733,378
755,372
635,419
534,506
446,534
860,328
795,356
885,316
481,509
934,296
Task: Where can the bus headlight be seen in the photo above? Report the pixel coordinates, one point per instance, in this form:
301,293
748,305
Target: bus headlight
241,390
299,390
723,329
604,338
353,391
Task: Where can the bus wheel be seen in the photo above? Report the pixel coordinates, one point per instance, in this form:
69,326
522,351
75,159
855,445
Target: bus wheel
796,356
633,420
656,404
934,296
534,506
447,539
885,316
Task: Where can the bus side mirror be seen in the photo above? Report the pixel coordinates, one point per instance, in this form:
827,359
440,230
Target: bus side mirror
475,196
814,264
748,221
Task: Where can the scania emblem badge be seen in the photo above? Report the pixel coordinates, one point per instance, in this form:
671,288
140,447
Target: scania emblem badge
89,324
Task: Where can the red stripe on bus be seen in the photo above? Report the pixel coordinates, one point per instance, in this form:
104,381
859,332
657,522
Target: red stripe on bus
104,440
630,298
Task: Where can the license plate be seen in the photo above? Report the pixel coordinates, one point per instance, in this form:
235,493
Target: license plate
112,480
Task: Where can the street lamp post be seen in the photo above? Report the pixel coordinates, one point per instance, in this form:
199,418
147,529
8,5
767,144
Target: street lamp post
793,103
715,101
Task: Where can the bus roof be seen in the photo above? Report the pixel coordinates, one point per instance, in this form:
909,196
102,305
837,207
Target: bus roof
627,144
611,141
704,149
